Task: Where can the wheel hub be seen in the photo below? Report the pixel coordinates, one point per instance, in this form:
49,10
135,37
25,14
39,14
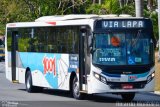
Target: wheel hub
76,88
28,83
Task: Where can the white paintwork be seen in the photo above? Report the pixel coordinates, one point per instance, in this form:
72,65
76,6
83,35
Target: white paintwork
7,69
125,15
58,23
21,75
66,20
8,73
108,16
38,79
99,87
96,86
63,74
17,73
65,17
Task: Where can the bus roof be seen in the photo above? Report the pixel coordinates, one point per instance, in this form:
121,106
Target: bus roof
82,16
65,17
64,20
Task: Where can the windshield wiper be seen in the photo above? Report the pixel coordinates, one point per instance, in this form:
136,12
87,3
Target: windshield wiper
137,38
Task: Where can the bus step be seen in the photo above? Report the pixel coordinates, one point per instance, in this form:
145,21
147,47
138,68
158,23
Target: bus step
84,91
15,81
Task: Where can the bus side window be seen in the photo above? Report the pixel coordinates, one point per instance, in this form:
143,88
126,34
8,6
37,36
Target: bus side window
69,41
76,40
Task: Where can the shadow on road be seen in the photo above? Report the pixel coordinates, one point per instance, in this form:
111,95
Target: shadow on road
105,98
94,98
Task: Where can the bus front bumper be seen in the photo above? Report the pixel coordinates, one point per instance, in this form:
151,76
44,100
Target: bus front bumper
117,87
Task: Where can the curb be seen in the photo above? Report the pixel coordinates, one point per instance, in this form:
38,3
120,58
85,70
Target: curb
157,92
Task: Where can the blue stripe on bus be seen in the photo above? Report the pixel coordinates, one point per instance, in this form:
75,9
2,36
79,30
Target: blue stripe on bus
136,76
111,75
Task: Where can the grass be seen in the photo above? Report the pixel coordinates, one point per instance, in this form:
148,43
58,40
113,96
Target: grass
157,76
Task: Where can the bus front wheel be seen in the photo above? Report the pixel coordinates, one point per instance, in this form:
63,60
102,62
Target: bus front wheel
128,96
75,89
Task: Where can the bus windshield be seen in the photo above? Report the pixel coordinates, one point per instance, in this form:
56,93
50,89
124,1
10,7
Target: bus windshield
121,48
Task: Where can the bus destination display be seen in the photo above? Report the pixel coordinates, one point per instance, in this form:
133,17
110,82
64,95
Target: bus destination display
123,24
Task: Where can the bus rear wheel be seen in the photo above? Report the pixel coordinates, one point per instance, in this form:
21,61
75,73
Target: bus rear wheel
28,82
128,96
75,89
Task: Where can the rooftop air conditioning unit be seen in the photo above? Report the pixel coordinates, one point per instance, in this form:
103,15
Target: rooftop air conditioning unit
108,16
125,15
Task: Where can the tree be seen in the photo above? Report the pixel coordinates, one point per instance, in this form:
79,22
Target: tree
150,5
73,6
139,8
108,7
149,11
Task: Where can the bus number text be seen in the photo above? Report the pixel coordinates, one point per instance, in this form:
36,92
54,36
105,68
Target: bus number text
49,65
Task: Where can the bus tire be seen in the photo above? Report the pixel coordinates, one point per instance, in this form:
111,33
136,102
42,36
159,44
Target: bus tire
75,89
128,97
28,82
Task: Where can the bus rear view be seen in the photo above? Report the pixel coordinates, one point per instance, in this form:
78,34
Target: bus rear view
123,56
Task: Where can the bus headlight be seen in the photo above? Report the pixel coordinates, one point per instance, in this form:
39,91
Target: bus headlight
153,74
100,77
97,75
103,79
150,77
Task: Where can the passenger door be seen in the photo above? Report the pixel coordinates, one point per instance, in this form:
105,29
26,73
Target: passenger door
84,58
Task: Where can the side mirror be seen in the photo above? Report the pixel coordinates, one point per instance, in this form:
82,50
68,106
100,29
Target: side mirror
90,41
83,30
90,44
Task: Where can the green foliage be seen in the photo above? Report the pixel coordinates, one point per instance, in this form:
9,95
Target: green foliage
23,45
94,9
154,17
108,7
2,29
112,6
127,9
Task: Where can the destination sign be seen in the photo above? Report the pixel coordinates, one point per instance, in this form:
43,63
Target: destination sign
123,24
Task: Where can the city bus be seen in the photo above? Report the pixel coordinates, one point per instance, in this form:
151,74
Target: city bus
84,54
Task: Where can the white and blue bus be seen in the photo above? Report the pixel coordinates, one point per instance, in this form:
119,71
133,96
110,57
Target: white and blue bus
83,54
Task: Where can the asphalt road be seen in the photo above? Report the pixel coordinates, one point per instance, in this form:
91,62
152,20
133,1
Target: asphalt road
14,95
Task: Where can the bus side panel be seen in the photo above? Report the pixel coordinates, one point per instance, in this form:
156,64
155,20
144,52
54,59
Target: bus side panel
48,70
63,74
21,75
36,63
7,59
20,67
8,65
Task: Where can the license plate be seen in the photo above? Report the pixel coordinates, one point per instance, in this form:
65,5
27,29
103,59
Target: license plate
127,86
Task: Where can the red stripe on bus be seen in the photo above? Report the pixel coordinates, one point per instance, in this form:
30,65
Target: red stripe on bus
12,25
52,23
